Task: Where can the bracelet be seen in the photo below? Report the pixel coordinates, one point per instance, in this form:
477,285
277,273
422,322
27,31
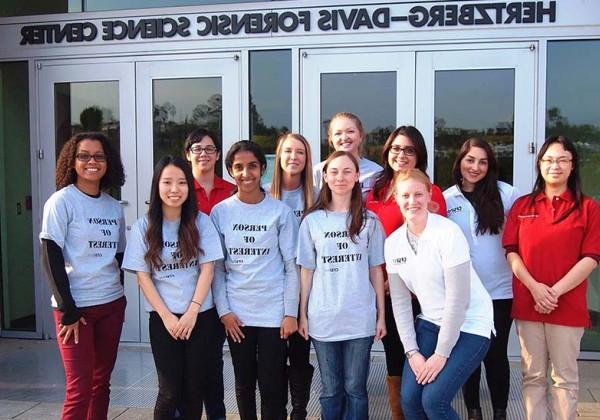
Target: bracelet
197,303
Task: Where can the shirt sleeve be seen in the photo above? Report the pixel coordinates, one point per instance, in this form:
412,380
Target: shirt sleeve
376,242
591,237
403,315
288,242
55,220
307,254
122,236
510,236
219,284
438,197
136,249
210,243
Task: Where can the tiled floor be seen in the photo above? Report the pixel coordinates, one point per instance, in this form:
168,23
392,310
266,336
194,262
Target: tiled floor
32,385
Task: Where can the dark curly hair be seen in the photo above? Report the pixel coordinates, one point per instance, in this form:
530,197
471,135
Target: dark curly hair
65,165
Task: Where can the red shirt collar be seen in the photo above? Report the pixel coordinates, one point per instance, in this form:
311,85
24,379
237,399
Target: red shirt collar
218,184
565,196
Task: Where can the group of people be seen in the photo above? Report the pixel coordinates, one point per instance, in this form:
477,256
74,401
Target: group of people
338,255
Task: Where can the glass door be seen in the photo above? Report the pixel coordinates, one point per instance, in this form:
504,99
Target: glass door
89,96
376,85
175,97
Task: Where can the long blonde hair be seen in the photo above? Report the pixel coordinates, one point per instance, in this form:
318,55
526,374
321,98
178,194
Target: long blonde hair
306,177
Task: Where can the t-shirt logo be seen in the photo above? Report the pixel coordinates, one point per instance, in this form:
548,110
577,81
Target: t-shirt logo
400,260
455,210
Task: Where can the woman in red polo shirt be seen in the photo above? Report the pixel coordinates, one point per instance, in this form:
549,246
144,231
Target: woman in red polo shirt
552,242
201,151
404,149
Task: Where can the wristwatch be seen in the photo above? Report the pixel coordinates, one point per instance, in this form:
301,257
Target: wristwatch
411,353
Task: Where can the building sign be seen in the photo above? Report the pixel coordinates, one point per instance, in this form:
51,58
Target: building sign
327,20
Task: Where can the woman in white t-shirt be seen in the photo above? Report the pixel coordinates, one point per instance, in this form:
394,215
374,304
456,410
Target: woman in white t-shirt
342,299
346,133
172,251
293,184
478,203
83,239
429,257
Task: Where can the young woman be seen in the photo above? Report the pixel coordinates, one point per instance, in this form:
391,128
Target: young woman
552,240
83,239
478,204
201,151
404,149
341,302
172,251
256,290
345,133
292,183
429,257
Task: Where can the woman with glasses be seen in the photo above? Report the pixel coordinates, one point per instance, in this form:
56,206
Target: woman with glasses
552,242
201,151
83,240
404,149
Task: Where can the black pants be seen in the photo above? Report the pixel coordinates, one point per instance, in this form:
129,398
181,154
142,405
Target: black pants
497,369
183,367
394,351
214,392
260,356
298,351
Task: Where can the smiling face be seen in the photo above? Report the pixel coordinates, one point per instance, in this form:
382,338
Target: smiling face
341,175
246,170
202,161
345,135
473,167
556,166
413,198
172,187
293,156
90,173
402,154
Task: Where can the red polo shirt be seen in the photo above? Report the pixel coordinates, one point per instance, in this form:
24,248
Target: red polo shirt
220,191
389,213
549,250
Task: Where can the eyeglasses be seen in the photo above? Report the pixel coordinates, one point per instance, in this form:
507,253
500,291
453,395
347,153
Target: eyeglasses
197,150
86,157
560,161
408,150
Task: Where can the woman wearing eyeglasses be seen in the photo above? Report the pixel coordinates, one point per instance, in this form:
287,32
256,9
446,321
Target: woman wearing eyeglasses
83,240
404,149
552,242
201,151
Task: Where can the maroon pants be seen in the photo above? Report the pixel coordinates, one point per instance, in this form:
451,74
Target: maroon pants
89,363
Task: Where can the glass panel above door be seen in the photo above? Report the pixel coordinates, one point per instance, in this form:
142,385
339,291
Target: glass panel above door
369,95
473,103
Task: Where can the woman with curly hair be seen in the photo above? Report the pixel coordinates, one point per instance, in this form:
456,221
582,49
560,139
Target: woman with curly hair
83,239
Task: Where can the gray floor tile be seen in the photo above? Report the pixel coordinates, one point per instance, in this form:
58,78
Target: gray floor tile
11,409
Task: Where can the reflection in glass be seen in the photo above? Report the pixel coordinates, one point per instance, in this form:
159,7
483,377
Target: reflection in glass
17,289
270,100
573,109
87,106
471,103
371,96
179,106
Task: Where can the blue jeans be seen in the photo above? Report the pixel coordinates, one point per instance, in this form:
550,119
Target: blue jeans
433,400
344,367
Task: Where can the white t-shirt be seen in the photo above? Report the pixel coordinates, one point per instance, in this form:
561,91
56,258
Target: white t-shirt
487,255
90,231
367,177
342,304
441,246
174,280
294,199
258,240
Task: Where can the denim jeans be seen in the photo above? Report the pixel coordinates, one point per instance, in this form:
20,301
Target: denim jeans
344,367
433,400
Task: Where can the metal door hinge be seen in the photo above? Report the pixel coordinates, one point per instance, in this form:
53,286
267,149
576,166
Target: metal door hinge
40,154
531,148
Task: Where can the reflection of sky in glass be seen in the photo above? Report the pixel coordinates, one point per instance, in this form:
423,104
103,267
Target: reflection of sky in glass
573,80
271,86
95,5
104,95
185,94
474,99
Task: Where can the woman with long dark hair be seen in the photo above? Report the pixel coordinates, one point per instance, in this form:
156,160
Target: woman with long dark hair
83,239
172,251
256,286
341,302
552,241
478,203
404,149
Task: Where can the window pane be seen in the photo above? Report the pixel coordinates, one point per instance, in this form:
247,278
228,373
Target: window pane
16,247
371,96
573,109
471,103
179,107
270,100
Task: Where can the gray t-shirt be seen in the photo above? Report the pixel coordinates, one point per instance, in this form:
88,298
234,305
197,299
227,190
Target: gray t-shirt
175,280
367,177
341,304
294,199
90,231
258,280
